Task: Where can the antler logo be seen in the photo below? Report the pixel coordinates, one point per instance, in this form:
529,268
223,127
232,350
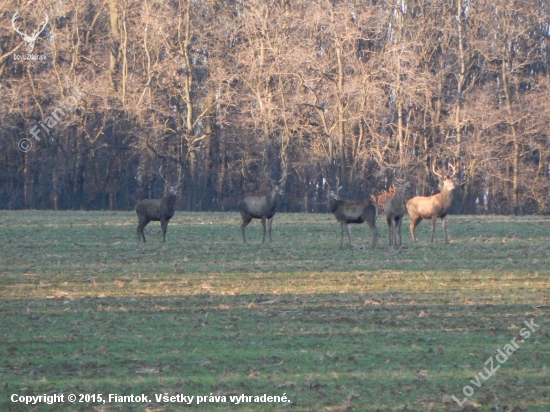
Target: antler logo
29,39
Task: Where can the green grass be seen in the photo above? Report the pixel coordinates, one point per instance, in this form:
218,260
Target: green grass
85,309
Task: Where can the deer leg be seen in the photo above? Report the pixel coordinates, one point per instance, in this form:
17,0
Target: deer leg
139,231
393,234
163,225
141,225
444,226
342,240
415,220
390,228
246,221
263,225
269,222
434,218
399,221
348,230
374,233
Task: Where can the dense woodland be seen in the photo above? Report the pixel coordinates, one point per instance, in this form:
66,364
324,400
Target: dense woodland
230,94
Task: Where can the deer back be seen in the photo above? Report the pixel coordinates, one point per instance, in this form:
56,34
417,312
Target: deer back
157,208
261,206
352,211
149,207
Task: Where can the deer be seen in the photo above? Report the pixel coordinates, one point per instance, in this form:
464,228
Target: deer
433,207
157,209
351,211
395,210
262,207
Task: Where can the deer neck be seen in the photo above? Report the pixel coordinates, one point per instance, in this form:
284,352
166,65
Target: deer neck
446,196
170,199
332,204
398,199
273,198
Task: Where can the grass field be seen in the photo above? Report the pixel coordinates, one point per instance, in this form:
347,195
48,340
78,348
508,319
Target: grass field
86,310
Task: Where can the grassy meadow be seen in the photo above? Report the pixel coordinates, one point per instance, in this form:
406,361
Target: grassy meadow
85,309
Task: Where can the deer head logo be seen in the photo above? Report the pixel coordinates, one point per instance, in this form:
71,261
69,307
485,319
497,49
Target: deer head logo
29,39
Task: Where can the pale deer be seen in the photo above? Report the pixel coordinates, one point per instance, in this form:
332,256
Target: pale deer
261,207
350,211
395,210
157,209
432,207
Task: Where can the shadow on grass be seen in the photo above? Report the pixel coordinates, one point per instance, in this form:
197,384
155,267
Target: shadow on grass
363,351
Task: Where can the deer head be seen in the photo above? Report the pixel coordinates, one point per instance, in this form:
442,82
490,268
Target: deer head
334,194
447,180
277,183
172,187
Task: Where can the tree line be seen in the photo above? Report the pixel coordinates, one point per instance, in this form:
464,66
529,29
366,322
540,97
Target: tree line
232,94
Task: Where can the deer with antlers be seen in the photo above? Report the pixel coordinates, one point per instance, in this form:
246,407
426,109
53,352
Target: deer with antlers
351,211
157,209
29,39
262,207
395,210
433,207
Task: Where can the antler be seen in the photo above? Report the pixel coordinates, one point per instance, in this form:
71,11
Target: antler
454,170
180,178
281,181
29,39
26,37
338,187
175,185
162,176
435,172
15,16
37,32
448,176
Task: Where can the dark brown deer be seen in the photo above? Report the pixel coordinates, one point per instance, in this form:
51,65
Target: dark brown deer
157,210
432,207
350,211
395,210
261,207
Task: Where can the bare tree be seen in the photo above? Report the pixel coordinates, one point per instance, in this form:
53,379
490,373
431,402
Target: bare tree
356,88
